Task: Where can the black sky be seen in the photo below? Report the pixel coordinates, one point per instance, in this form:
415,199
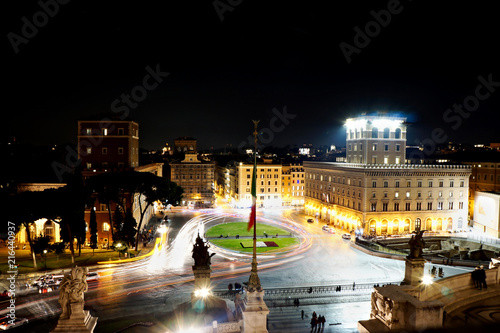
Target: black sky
261,56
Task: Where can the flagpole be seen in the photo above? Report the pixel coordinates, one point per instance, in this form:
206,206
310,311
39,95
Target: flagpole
254,281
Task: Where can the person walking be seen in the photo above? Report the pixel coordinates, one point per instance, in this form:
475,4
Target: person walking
302,312
323,321
353,285
482,278
475,278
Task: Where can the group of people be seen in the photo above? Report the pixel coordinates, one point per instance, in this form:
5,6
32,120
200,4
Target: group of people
237,288
479,277
317,322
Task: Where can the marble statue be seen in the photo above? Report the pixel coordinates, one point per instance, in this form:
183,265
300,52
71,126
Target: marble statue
71,289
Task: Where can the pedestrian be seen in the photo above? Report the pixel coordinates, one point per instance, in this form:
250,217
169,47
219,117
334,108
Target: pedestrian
230,288
323,321
482,277
475,278
313,323
302,313
353,285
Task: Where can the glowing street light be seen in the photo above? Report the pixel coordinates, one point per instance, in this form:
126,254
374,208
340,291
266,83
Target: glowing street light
202,292
427,280
45,255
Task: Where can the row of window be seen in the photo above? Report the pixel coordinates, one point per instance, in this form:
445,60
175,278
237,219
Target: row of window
374,147
485,177
104,150
104,131
430,183
397,183
374,133
105,165
408,206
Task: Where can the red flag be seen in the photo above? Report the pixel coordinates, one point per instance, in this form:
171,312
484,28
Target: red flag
253,216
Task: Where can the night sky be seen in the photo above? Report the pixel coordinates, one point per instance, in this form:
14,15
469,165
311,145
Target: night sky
260,57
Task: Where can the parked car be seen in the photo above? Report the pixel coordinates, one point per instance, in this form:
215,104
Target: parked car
325,228
346,236
310,220
91,276
7,323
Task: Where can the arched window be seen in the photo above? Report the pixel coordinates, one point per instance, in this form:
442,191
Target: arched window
395,226
374,133
383,227
428,224
450,224
418,222
407,225
386,133
397,134
48,230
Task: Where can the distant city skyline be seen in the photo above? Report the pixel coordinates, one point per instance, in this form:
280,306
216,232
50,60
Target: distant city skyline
190,70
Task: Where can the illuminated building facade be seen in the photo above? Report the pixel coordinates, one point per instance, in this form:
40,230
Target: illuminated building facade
381,195
196,178
292,185
106,145
485,177
268,185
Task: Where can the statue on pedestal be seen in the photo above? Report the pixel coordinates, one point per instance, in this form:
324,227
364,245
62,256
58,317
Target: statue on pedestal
200,253
71,290
416,245
74,318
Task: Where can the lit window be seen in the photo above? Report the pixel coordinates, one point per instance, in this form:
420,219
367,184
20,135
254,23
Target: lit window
89,151
105,227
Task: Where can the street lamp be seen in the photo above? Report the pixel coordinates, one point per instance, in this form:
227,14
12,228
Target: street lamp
119,246
45,255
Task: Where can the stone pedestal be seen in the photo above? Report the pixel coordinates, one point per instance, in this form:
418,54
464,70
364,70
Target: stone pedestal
414,271
255,313
201,279
80,321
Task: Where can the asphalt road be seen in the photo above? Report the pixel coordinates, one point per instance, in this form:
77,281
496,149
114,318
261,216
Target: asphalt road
162,281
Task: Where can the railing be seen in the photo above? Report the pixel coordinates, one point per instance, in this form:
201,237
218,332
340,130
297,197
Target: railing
379,248
311,291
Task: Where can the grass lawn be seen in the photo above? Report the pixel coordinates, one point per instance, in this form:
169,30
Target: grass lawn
234,244
25,262
240,228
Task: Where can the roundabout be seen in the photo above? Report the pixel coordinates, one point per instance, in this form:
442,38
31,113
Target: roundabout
235,236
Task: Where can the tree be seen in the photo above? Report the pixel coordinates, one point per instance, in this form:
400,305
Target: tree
118,223
129,228
93,230
107,187
151,188
24,209
40,244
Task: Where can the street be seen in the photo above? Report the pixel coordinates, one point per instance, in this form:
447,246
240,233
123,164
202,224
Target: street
162,281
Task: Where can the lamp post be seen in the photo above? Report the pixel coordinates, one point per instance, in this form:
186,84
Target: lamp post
45,255
119,246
